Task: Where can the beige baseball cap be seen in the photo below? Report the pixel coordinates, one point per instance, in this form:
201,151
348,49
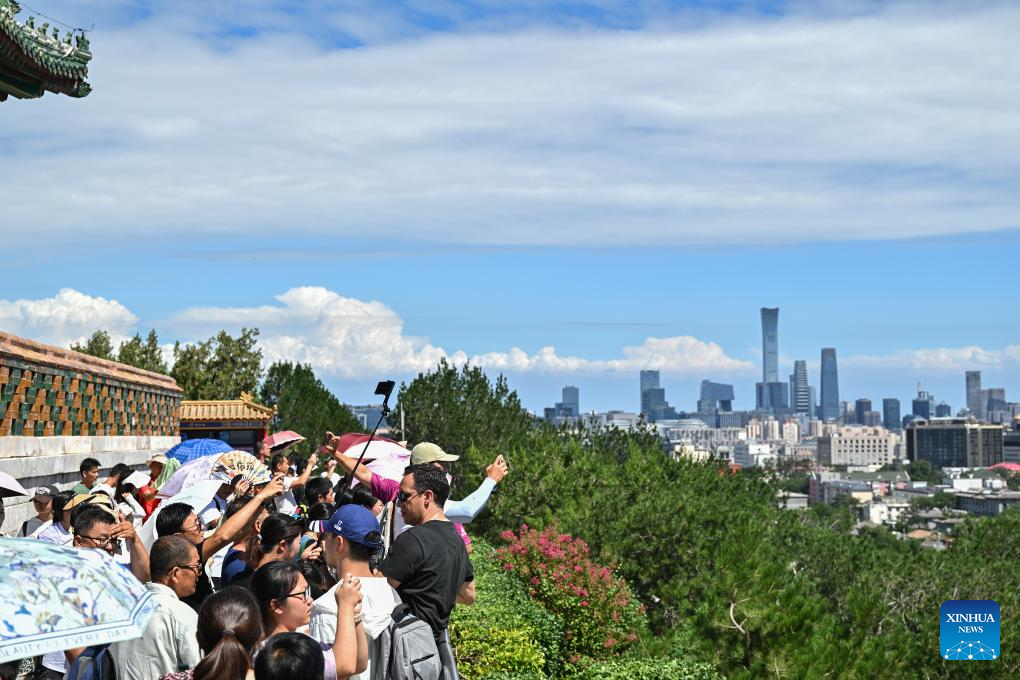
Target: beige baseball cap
427,452
158,458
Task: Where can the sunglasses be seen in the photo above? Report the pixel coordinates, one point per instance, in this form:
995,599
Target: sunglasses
403,496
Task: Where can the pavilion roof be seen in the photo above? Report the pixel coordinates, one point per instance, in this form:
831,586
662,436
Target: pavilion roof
222,410
34,60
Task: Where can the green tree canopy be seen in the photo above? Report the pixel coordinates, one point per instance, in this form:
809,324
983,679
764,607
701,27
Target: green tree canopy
98,345
304,404
221,367
145,355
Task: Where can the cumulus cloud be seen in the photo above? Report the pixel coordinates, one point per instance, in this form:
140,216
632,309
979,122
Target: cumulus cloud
347,338
898,123
941,360
69,316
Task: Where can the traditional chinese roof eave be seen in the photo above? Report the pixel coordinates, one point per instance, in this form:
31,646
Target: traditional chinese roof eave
33,62
225,410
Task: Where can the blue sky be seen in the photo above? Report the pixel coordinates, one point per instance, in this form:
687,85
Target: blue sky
378,185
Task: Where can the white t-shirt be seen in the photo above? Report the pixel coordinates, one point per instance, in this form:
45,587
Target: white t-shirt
378,599
286,503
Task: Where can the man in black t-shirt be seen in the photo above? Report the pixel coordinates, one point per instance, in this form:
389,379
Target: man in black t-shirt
428,564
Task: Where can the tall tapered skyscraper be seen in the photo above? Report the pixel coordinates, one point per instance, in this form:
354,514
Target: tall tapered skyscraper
772,395
974,404
830,385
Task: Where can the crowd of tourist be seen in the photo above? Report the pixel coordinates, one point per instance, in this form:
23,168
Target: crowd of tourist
290,578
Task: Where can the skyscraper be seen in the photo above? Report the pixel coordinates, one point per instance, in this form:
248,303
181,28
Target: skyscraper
649,381
771,395
715,396
891,414
974,402
861,408
924,405
800,393
571,400
830,385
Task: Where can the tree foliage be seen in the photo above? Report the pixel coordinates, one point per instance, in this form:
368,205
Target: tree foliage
304,404
143,354
221,367
767,592
98,345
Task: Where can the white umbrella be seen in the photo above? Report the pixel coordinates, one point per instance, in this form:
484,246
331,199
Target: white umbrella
188,475
196,497
10,487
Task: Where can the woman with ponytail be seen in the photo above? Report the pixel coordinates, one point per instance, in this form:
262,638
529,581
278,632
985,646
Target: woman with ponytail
229,633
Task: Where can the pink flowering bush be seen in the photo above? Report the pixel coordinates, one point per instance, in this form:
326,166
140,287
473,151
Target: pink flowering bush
600,617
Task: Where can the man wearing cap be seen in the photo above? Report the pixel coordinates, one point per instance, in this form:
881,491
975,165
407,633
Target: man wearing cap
352,535
43,502
460,512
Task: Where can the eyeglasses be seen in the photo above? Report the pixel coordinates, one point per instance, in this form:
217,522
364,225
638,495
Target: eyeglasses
100,542
305,594
197,568
198,526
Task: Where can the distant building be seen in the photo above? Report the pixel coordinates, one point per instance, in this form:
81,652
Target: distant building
829,406
891,414
800,391
872,419
924,405
943,410
715,397
861,406
988,504
567,409
368,415
857,446
974,403
649,381
653,399
753,454
954,442
771,395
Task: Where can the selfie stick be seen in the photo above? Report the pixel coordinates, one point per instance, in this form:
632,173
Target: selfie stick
385,388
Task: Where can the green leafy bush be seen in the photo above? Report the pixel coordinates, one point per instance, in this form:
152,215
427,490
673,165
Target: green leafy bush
505,631
645,668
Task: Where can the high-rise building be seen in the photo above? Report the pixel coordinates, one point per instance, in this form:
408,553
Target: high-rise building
891,414
800,392
770,344
974,403
715,396
955,442
943,410
653,398
649,381
567,409
857,446
861,408
829,409
813,400
770,394
924,405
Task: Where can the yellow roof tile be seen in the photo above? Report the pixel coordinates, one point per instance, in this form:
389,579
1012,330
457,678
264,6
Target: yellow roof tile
244,408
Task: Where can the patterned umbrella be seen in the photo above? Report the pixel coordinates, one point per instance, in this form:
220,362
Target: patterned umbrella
54,598
193,449
188,475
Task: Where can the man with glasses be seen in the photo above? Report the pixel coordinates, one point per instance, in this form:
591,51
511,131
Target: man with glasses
428,564
168,643
96,526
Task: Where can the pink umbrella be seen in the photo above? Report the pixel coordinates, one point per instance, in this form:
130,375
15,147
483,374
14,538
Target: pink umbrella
384,457
281,441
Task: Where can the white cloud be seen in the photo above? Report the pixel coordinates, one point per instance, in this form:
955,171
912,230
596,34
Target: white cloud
896,124
941,360
67,317
347,338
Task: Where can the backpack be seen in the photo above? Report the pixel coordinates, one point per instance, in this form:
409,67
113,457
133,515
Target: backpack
407,649
94,663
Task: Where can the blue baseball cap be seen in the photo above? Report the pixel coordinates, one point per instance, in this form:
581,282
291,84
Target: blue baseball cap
354,523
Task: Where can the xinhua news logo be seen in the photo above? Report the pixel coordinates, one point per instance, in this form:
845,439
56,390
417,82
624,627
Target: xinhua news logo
969,630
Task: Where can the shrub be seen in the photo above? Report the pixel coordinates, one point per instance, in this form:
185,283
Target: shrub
600,617
644,668
505,634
